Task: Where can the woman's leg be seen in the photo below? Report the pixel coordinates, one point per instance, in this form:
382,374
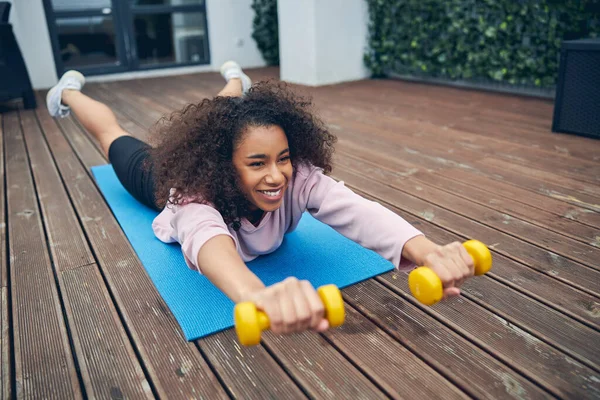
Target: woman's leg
238,82
130,159
129,156
96,117
233,88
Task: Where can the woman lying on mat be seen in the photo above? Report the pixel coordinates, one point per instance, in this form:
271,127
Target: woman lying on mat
232,174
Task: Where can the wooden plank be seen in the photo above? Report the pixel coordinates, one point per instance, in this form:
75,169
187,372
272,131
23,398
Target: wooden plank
374,150
441,152
67,244
530,199
573,168
524,202
163,99
357,143
106,359
3,261
129,125
80,142
455,357
486,113
175,367
573,249
533,316
569,336
474,102
316,366
544,219
197,87
38,325
558,373
7,388
127,111
247,370
559,144
553,184
248,373
400,373
5,344
527,155
138,108
541,260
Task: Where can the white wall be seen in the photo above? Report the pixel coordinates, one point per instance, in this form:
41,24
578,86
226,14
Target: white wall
297,41
30,28
230,33
322,42
229,27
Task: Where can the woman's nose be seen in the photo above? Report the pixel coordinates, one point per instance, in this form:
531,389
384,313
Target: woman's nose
275,175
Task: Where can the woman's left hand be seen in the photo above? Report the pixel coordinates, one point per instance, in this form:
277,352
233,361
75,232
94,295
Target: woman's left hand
450,262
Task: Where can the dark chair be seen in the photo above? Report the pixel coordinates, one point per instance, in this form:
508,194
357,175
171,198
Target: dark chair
577,102
14,79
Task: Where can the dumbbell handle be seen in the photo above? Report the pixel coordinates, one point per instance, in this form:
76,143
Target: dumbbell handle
250,322
335,318
263,320
427,287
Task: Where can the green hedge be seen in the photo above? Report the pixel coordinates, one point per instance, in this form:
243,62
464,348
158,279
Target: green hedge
512,41
266,30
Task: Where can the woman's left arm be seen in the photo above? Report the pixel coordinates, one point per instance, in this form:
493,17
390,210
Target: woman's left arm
377,228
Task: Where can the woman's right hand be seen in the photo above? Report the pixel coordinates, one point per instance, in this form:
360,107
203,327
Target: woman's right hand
292,306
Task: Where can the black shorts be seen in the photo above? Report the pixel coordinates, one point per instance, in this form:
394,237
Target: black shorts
128,156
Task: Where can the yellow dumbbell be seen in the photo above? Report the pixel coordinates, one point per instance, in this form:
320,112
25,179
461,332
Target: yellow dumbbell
427,287
250,322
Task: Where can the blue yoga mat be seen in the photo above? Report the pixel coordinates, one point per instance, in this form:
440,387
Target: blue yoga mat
314,251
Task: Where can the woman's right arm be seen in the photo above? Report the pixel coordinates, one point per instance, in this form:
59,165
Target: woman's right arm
292,305
220,262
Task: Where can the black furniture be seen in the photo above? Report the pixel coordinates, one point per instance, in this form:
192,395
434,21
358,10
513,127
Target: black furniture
14,79
577,102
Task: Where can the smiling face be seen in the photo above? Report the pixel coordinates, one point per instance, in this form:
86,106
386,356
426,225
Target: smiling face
262,161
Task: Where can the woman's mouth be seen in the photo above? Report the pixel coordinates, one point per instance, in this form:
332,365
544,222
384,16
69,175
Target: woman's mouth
271,195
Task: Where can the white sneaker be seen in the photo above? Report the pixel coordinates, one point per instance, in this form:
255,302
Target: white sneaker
231,70
73,80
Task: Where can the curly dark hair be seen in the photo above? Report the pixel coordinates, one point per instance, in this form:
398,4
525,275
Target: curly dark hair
193,147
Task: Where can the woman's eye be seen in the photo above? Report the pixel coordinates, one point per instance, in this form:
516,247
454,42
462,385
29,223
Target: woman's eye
284,159
256,164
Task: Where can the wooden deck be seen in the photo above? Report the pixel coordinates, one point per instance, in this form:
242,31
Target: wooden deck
81,319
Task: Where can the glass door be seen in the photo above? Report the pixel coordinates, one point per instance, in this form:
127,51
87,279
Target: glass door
107,36
86,35
168,33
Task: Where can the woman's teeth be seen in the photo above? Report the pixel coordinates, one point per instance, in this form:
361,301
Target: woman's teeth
271,194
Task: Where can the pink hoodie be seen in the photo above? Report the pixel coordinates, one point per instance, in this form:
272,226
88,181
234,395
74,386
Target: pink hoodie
363,221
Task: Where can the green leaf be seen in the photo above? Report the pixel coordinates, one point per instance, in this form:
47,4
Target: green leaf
514,42
490,32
